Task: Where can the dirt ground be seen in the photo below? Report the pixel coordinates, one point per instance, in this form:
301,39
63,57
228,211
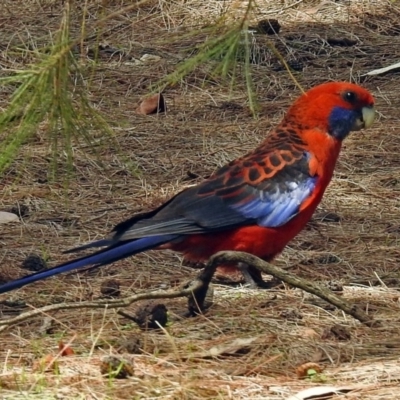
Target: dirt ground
352,242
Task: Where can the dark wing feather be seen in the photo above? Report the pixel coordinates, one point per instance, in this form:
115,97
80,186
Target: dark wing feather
266,187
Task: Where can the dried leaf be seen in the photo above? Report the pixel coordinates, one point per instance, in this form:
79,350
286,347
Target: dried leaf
225,348
64,349
319,392
152,105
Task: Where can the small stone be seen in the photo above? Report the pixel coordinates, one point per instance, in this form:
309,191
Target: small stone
150,58
116,367
35,263
110,288
6,217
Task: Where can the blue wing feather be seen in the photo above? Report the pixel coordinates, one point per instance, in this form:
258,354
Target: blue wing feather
275,209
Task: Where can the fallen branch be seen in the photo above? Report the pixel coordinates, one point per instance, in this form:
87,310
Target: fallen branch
234,257
198,291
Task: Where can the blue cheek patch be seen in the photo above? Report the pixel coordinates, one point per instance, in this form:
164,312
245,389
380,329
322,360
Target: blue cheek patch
275,209
341,120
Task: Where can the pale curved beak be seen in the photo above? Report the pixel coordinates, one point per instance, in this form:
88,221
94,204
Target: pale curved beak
368,116
366,119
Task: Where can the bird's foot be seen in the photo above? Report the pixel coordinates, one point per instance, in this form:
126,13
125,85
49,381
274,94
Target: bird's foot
254,279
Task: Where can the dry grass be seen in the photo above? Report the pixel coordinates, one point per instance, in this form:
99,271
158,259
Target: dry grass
206,125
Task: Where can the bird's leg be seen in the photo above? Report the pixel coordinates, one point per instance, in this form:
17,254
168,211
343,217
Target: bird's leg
254,278
251,276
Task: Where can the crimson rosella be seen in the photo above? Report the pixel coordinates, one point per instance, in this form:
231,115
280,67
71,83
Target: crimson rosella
255,204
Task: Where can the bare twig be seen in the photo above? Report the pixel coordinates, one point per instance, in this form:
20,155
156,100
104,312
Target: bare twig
183,291
197,289
293,280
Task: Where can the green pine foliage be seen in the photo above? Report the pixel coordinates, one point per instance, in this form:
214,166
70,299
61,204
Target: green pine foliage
53,91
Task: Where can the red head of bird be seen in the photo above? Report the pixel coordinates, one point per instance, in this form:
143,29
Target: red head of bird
336,108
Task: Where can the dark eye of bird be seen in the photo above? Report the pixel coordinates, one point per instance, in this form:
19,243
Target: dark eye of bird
350,97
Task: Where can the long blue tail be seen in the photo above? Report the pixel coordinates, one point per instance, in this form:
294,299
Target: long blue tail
102,257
